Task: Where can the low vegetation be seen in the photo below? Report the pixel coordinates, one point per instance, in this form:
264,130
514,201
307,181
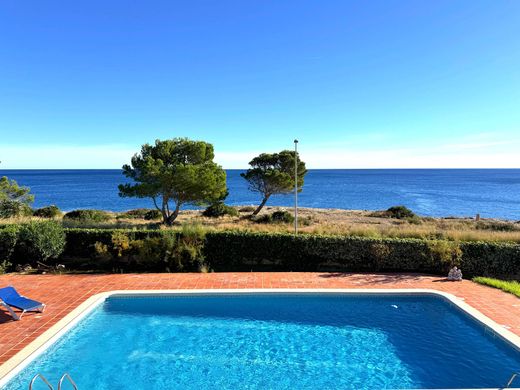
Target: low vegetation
48,212
219,209
510,286
278,217
190,247
87,215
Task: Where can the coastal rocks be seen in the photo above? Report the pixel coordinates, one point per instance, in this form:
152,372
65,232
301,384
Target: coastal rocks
455,274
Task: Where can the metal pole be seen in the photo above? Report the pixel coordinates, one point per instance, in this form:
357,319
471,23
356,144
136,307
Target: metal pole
295,186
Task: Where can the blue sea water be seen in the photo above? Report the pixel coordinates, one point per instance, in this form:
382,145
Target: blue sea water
277,342
429,192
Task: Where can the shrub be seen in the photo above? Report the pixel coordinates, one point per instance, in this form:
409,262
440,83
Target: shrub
42,240
4,266
87,215
153,215
14,209
133,214
445,253
161,251
147,214
47,212
247,209
193,249
276,217
8,240
219,210
400,212
157,253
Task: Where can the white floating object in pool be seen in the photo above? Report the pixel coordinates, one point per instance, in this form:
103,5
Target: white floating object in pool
395,306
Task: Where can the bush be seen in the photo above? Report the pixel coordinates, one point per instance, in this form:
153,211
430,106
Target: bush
165,251
219,210
247,209
87,215
193,249
8,240
153,215
47,212
4,266
42,240
276,217
243,251
13,209
400,212
133,214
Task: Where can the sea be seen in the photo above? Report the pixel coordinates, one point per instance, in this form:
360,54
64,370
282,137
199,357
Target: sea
492,193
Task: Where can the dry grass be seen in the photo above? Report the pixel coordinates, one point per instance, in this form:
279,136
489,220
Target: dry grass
338,222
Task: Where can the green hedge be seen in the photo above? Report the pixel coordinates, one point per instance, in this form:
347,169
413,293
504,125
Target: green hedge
245,251
255,251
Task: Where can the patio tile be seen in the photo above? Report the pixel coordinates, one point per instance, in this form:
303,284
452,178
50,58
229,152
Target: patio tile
63,293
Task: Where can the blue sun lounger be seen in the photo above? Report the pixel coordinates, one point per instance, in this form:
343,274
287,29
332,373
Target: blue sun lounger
10,298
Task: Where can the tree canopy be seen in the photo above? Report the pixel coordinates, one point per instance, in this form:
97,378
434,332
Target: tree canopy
15,200
174,173
11,191
272,174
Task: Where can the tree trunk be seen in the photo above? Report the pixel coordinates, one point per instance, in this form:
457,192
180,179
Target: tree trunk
261,205
173,216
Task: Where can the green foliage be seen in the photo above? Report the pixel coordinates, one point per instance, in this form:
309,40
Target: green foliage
10,190
4,266
165,251
380,251
47,212
281,216
133,214
272,174
400,212
178,171
87,215
8,240
257,251
193,249
13,209
219,209
41,241
446,253
153,215
512,286
146,214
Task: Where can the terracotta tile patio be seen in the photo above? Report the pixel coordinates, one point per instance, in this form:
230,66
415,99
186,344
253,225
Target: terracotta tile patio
63,293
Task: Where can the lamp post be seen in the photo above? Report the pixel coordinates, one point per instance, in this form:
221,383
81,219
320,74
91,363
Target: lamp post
295,186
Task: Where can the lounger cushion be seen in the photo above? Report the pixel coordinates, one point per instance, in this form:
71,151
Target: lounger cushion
11,297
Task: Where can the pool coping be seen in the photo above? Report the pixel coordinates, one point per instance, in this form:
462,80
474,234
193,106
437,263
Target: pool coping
38,346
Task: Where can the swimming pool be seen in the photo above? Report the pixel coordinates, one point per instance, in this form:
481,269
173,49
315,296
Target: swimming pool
277,341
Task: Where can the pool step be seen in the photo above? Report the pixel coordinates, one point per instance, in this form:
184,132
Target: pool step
513,377
60,383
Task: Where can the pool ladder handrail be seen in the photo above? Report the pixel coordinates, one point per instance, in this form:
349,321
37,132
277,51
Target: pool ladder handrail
69,378
60,383
511,380
42,378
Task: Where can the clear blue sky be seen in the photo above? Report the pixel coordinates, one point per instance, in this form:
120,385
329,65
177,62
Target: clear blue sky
389,83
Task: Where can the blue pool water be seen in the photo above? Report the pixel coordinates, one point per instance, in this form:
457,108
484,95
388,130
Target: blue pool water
277,342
